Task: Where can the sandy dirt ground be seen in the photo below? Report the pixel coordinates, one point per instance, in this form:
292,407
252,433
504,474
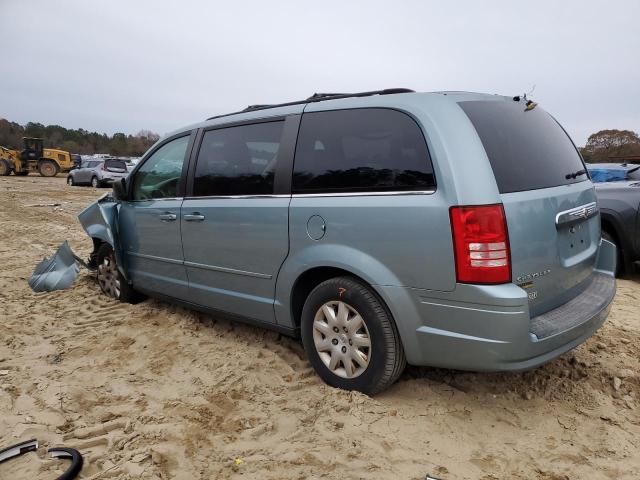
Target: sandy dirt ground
157,391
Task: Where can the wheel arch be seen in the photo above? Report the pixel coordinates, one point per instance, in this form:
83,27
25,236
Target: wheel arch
311,278
612,225
316,261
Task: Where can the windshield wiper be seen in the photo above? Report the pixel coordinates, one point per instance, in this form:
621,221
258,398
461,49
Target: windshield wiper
575,174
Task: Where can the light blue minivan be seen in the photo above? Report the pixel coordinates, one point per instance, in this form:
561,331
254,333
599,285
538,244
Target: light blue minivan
447,229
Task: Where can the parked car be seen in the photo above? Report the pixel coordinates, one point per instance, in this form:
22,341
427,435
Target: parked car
98,172
454,230
620,213
613,172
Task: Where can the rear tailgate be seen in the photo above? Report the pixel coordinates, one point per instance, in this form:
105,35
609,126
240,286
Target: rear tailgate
554,235
550,205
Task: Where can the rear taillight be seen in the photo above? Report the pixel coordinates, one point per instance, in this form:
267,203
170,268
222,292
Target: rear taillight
481,244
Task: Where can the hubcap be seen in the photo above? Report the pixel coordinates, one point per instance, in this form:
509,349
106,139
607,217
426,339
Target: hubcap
70,181
108,277
342,340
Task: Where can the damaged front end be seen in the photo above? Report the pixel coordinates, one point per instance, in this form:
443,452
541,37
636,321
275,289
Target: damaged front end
100,221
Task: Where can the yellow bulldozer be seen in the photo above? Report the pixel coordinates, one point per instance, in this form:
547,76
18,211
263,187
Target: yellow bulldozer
48,162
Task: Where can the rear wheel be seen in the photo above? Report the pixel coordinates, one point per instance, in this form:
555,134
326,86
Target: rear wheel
350,337
47,168
5,169
111,281
94,182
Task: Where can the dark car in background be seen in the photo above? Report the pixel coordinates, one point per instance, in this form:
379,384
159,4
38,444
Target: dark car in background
619,204
98,172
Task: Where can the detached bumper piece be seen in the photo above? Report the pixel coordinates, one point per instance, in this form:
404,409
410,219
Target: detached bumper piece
595,298
58,272
60,452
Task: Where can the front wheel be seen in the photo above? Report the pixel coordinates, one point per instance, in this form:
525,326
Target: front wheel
350,338
70,181
94,182
111,281
5,169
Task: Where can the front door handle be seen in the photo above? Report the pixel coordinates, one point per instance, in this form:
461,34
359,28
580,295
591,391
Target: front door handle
195,217
167,217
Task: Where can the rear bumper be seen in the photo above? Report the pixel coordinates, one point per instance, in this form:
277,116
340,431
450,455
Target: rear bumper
488,328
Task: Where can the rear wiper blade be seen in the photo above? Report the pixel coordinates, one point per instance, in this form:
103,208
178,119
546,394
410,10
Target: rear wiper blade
575,174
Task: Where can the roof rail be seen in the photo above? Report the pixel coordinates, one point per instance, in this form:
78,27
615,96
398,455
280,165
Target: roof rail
318,97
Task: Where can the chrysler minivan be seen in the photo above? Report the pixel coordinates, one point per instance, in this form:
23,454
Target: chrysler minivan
447,229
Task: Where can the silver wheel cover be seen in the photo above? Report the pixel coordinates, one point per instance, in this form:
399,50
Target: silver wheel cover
342,339
108,277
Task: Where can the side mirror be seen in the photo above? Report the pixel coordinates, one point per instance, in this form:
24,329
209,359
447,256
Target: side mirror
120,189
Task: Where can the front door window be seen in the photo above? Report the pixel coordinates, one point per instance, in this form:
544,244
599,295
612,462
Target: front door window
158,177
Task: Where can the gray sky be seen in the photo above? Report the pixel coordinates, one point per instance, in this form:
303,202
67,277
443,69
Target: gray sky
121,65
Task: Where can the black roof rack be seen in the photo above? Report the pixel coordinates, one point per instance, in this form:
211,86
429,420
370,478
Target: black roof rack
318,97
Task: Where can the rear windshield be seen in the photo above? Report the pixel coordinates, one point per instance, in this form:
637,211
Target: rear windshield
115,165
528,150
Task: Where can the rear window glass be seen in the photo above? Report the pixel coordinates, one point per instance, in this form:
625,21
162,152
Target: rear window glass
361,150
528,150
115,165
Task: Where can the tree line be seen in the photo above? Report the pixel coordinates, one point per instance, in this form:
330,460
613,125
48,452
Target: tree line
611,146
602,146
76,141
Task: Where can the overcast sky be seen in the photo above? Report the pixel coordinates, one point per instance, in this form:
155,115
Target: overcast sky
117,65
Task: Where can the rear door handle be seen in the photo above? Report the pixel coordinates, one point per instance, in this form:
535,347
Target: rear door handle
195,217
167,217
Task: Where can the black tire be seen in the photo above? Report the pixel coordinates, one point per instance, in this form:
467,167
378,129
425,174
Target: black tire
620,267
105,258
5,168
47,168
95,183
386,359
70,181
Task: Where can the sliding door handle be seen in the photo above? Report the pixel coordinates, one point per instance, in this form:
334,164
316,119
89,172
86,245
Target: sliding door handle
194,217
168,217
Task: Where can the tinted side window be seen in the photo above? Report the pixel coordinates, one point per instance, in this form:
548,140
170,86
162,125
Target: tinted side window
361,150
528,150
238,160
159,175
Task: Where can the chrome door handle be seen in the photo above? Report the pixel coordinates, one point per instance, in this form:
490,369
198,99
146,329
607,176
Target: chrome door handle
167,217
195,217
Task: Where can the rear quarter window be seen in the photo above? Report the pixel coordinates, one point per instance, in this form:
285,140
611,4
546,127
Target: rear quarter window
361,150
528,150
